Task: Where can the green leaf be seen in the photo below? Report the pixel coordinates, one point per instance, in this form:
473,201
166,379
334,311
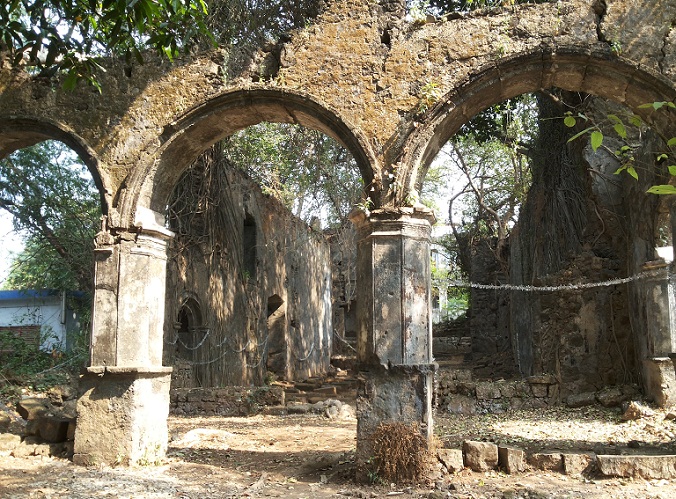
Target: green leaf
620,130
671,142
569,121
662,189
580,134
672,170
596,139
620,170
632,171
71,80
635,120
614,118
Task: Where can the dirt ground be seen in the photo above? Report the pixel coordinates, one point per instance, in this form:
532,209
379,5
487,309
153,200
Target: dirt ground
311,456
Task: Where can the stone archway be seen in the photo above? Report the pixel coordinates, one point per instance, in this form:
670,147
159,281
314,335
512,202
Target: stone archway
17,133
574,69
363,74
129,301
605,76
183,140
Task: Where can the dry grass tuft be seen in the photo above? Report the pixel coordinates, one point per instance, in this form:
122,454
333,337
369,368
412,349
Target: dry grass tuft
400,453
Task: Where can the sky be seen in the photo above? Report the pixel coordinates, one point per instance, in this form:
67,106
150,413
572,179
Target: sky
10,243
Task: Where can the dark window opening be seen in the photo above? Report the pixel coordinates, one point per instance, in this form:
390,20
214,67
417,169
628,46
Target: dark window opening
249,247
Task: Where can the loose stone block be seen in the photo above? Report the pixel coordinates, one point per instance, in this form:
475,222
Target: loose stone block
522,389
30,408
648,467
507,390
487,391
660,380
540,391
581,399
9,441
480,456
546,461
610,397
635,410
23,450
461,404
577,463
451,459
511,459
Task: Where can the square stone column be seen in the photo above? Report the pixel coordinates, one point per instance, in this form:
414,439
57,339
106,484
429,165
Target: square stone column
658,310
394,341
129,299
124,394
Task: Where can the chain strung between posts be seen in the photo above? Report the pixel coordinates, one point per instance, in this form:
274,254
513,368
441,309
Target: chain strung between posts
562,287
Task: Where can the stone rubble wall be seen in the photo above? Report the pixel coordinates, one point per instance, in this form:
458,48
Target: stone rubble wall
229,401
485,456
457,393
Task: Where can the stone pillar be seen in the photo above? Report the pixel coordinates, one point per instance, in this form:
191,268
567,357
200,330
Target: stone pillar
394,340
124,394
657,297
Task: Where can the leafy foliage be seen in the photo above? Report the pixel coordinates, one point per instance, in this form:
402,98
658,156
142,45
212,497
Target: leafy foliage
447,6
54,202
254,22
626,128
489,170
312,174
23,365
72,35
69,35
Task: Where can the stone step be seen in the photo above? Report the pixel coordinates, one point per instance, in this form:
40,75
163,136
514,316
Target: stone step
658,467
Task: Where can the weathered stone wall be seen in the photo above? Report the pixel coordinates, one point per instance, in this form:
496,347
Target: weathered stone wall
370,89
343,244
458,393
489,317
264,304
586,337
232,401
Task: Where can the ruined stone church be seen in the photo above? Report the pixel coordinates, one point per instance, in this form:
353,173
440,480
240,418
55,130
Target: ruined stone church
361,74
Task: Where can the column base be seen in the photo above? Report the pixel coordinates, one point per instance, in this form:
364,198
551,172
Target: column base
659,377
122,415
401,394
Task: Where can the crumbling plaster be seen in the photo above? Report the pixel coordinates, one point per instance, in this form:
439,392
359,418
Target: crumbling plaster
358,73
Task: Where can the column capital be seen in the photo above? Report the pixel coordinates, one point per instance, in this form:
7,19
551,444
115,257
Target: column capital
360,217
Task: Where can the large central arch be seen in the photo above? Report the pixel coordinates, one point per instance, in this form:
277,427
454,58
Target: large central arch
183,140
